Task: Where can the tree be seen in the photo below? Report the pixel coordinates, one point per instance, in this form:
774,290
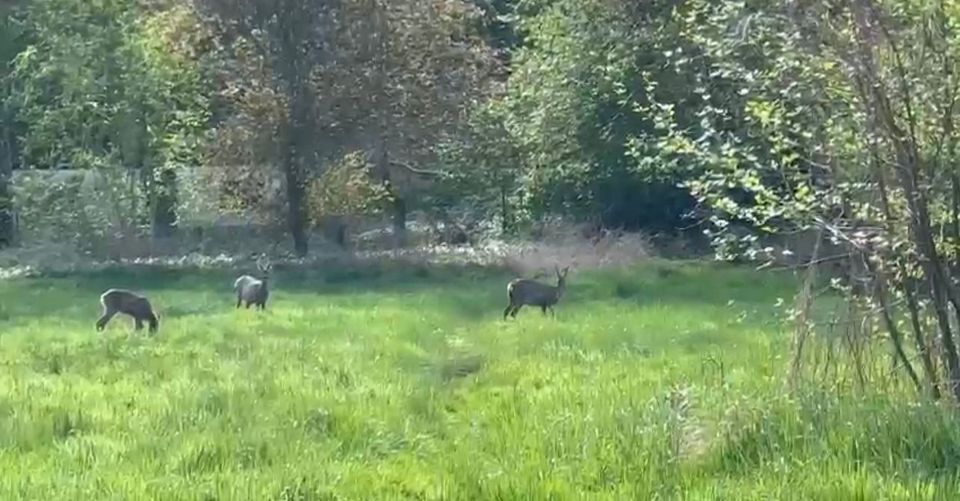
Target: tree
482,171
11,42
576,108
96,88
387,78
411,70
854,104
282,45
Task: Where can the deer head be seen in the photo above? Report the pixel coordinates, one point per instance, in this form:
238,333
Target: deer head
561,276
264,265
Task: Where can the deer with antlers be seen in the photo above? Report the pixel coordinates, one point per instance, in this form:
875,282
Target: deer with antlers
524,291
253,290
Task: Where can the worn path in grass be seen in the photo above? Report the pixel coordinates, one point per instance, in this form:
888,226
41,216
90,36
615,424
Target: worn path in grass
663,380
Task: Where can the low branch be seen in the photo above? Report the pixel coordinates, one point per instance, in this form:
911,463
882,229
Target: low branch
422,172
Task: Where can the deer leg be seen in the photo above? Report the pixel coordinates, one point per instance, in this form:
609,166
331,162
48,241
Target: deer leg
507,311
248,305
137,324
516,309
107,315
543,308
239,300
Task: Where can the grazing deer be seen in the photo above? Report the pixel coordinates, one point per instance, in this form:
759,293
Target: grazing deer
123,301
522,291
254,291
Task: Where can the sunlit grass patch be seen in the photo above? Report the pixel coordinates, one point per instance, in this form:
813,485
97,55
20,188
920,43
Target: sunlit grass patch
660,380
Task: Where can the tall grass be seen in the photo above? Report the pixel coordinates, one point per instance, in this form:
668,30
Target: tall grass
663,381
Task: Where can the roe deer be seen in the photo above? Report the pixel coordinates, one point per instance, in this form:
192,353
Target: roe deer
123,301
254,291
523,291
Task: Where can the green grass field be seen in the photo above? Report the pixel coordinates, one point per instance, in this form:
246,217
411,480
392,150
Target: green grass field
665,381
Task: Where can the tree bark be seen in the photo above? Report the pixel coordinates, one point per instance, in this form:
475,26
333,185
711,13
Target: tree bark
296,218
896,338
164,207
907,285
954,216
903,140
398,205
300,122
923,349
506,225
7,227
399,221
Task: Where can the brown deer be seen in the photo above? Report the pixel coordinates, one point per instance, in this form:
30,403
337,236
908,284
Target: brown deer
523,291
254,291
123,301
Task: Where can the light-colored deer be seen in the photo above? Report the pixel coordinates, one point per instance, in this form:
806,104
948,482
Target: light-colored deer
523,291
123,301
254,291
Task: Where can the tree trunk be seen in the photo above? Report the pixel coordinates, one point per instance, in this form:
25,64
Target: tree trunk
921,232
896,338
295,195
301,121
297,138
505,223
908,286
930,371
954,218
931,263
7,228
909,177
164,210
398,206
399,221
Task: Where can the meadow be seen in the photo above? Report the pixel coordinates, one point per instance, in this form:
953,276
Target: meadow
661,381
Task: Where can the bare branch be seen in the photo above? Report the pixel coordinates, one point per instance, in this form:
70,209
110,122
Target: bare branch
423,172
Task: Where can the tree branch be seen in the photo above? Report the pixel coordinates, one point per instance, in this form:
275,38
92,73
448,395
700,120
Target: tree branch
422,172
